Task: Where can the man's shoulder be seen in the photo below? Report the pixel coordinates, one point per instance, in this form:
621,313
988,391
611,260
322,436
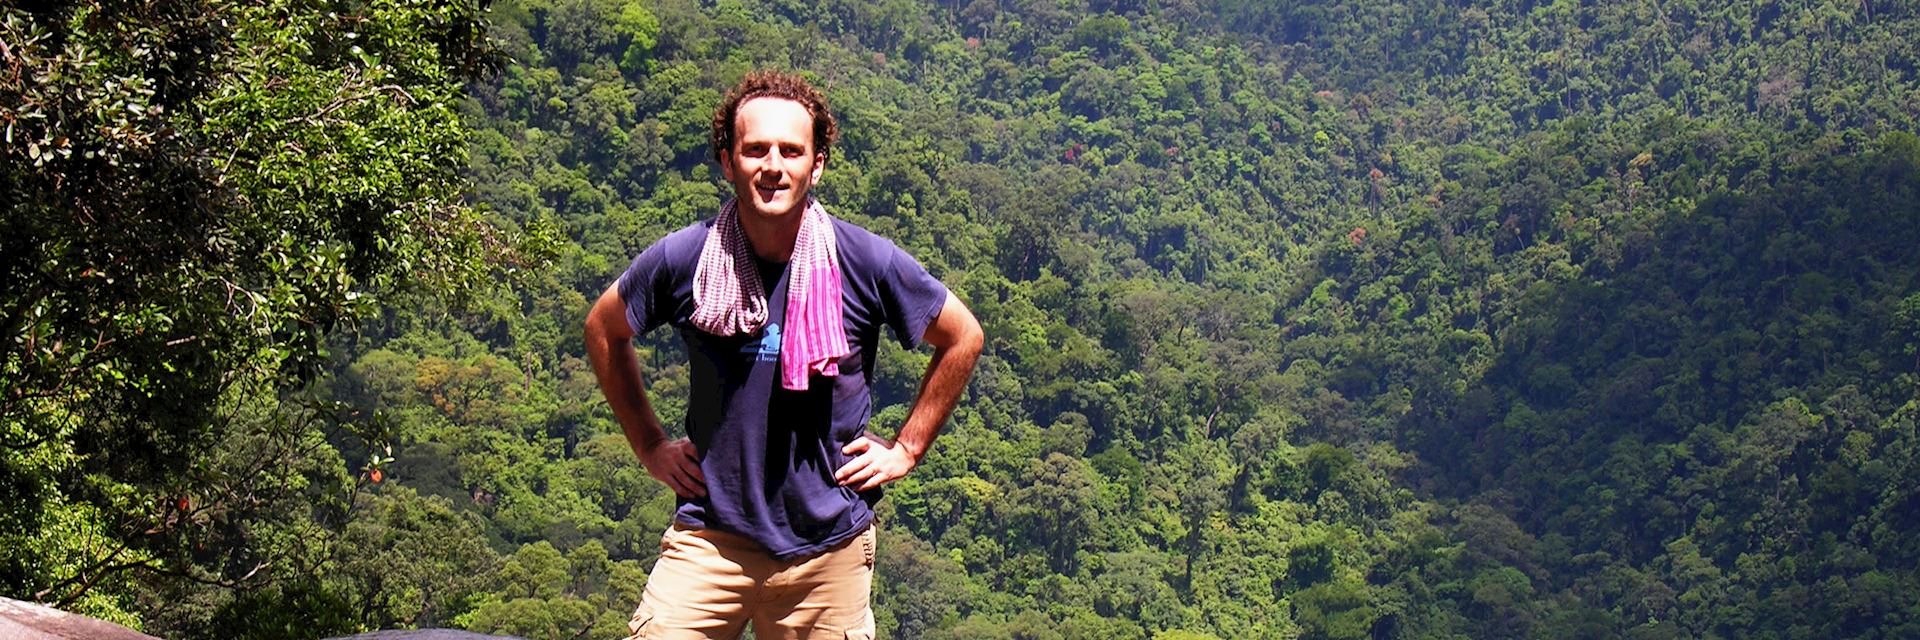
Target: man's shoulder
862,248
694,233
684,244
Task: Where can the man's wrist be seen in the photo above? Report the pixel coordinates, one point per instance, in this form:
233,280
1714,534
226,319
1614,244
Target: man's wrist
914,452
647,447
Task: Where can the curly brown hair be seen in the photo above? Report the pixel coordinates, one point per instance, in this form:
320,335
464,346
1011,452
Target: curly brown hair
774,84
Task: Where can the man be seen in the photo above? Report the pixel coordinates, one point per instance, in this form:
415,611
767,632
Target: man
781,308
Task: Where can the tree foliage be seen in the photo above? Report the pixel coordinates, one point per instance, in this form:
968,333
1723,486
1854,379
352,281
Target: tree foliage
1305,319
195,194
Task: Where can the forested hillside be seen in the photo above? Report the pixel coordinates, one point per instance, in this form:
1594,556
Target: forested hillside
1321,320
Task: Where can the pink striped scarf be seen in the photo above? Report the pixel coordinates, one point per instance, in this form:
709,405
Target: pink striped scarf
728,298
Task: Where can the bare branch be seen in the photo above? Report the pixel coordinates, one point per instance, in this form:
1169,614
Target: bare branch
343,101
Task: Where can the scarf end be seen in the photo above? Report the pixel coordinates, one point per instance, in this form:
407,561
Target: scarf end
793,380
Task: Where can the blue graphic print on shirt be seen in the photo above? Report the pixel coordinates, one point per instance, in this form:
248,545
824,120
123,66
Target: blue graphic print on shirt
767,348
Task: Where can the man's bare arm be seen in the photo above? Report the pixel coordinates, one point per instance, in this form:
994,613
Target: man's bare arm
956,338
610,347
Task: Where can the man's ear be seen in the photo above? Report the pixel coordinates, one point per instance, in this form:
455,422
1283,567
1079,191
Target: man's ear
819,166
726,168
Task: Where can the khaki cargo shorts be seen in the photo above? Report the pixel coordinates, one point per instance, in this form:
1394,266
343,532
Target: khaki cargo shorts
709,584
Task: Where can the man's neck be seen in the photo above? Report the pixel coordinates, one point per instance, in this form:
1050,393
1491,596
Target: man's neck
772,239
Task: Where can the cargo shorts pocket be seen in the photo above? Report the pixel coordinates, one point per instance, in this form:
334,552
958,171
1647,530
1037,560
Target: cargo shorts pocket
641,624
864,630
867,540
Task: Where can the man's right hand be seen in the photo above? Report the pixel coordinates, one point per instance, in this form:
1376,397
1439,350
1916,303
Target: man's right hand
609,341
676,464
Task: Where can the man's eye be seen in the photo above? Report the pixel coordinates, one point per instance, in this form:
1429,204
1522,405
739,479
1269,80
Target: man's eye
792,152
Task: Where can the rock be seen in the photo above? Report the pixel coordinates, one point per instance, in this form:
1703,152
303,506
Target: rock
28,621
422,634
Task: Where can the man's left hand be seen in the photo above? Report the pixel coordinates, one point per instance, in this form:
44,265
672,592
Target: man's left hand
876,462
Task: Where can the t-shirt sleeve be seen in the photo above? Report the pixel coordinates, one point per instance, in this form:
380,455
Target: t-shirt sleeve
644,289
912,298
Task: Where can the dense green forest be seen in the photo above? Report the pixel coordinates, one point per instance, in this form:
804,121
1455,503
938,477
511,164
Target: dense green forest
1305,319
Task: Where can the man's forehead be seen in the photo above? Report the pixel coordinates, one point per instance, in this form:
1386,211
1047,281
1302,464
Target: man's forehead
770,116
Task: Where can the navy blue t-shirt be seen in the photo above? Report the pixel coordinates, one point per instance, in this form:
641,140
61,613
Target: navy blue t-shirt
768,453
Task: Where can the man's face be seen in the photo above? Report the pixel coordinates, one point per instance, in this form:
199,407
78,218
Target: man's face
772,164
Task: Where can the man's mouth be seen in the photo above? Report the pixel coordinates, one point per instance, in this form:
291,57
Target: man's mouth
769,192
